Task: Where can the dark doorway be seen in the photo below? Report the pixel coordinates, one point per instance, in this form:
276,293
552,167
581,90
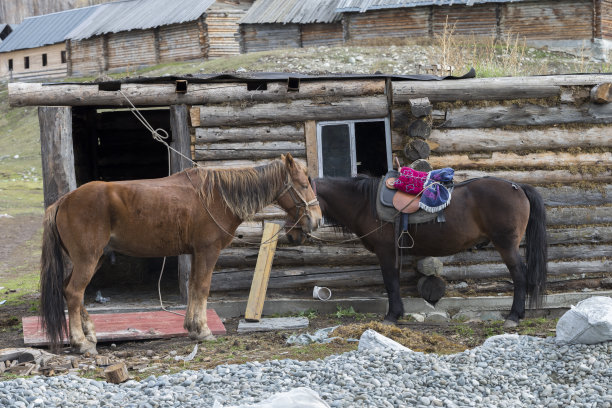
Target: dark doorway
371,148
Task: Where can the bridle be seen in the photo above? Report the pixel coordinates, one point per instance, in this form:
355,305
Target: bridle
298,200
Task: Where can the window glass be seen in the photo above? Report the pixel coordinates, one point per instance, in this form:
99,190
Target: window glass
10,62
44,60
336,150
63,57
26,62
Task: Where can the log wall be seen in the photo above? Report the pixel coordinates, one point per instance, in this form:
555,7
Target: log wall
559,142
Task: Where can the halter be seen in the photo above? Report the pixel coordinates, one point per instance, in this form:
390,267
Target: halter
298,200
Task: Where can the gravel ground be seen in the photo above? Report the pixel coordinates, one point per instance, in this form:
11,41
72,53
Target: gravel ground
506,371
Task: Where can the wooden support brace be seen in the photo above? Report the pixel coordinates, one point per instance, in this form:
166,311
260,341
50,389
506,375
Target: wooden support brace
263,266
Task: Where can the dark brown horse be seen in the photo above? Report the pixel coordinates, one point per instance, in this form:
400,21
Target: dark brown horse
481,211
192,212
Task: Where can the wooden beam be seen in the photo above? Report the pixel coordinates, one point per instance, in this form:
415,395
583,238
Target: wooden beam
601,93
293,133
532,160
262,272
312,150
33,94
538,176
368,107
490,140
491,88
57,152
525,115
181,141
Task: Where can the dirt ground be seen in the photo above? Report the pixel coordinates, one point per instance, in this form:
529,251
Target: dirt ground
18,252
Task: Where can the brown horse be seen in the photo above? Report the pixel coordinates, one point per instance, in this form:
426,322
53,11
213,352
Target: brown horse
192,212
481,211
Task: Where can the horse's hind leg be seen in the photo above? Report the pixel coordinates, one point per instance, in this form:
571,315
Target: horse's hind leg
82,333
196,322
518,271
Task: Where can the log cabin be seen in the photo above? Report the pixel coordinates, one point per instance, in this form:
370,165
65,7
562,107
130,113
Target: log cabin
554,132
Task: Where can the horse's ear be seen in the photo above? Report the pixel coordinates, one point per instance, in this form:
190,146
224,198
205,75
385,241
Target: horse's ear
288,160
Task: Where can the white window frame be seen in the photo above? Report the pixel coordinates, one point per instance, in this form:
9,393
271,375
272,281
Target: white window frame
351,126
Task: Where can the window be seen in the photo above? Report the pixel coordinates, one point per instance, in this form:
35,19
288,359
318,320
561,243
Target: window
26,62
10,62
44,60
348,148
63,57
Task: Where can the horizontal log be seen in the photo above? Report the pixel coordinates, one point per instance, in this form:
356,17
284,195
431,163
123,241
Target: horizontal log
568,195
491,140
491,88
591,234
356,276
253,146
578,215
299,256
33,94
484,271
249,134
243,257
305,277
226,164
369,107
234,154
525,115
496,159
538,176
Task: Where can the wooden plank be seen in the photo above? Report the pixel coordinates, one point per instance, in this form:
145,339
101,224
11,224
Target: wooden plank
312,150
538,176
164,94
293,133
126,326
194,116
490,140
368,107
525,115
501,88
259,286
539,160
57,152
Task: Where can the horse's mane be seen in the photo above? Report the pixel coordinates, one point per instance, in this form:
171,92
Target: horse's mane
363,186
245,191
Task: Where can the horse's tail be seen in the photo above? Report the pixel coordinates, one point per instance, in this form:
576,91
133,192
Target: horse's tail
52,302
537,247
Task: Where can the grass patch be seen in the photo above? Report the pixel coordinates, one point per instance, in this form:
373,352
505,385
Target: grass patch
21,290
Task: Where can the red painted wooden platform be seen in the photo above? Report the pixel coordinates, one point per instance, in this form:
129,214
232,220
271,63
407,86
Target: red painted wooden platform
126,326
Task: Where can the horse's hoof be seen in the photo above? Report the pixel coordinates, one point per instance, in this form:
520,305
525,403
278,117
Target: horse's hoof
85,349
201,336
510,324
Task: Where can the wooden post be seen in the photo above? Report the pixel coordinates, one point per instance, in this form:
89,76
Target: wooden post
181,141
262,272
312,158
57,151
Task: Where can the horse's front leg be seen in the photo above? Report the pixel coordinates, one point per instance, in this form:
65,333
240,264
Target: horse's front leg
203,262
391,280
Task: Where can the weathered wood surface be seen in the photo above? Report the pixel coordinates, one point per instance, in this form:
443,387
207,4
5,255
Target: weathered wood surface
568,196
249,134
305,255
478,140
538,176
226,164
354,276
497,159
601,93
57,152
525,115
33,94
252,150
581,234
491,88
368,107
578,215
420,107
312,155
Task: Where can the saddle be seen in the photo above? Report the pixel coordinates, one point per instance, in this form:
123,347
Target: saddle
402,209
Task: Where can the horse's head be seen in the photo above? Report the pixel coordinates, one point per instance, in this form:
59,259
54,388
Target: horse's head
298,199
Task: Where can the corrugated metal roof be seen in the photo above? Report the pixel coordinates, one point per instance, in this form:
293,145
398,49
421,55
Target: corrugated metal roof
138,15
45,30
292,11
366,5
